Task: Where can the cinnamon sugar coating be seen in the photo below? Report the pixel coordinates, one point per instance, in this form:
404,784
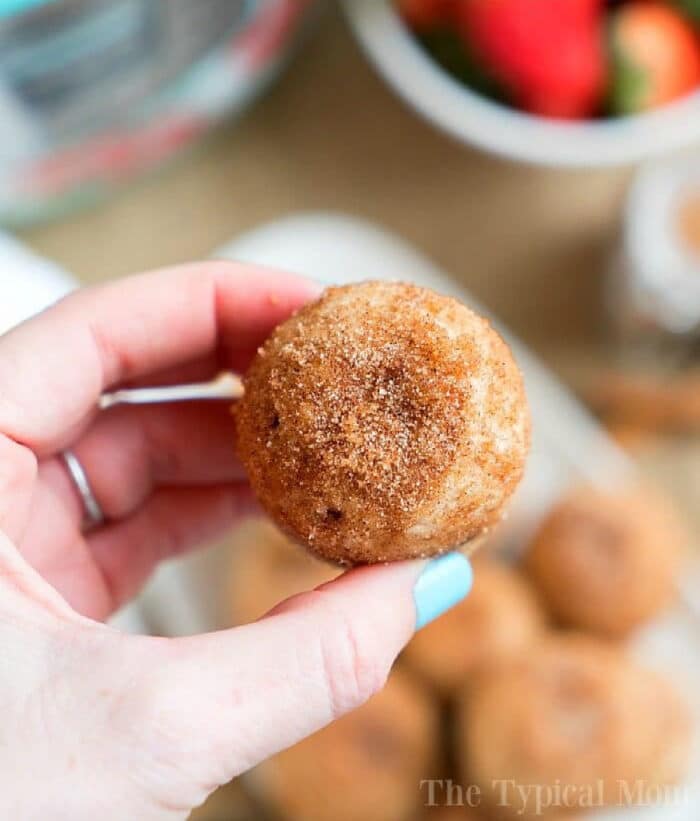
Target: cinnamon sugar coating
383,422
366,766
608,561
572,711
266,569
500,618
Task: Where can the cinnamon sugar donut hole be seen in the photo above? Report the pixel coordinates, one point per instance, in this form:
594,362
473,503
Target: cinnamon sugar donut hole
457,812
573,711
607,562
267,568
366,766
467,812
383,422
498,620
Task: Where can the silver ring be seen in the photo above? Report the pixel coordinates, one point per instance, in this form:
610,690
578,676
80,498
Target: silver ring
94,516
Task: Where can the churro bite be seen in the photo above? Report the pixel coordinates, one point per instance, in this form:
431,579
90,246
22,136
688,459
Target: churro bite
469,812
456,812
607,561
473,811
228,803
499,619
266,569
573,712
383,422
367,765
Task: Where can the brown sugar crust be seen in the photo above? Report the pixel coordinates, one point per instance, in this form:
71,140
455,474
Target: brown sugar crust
577,711
383,422
607,561
499,619
367,765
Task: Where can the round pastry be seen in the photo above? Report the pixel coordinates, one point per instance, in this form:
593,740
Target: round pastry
228,803
383,422
607,562
471,812
367,765
457,812
575,712
500,617
266,569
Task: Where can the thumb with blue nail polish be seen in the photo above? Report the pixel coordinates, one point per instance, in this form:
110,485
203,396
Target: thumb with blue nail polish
444,582
311,659
316,655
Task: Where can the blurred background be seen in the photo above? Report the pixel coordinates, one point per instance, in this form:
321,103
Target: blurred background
565,200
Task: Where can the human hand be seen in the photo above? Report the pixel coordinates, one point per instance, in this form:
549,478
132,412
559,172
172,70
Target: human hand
134,726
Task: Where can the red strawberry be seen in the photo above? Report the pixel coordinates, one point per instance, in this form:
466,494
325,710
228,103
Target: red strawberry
549,54
423,15
656,57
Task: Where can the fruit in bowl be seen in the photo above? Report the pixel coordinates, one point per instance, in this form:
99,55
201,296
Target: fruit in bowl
570,59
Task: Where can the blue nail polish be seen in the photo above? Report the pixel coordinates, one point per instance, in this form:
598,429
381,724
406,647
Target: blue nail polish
444,582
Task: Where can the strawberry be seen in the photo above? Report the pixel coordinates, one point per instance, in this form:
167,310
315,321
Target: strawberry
656,57
548,54
423,15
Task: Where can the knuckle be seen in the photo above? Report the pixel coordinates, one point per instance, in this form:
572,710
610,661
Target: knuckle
352,671
18,467
167,535
18,470
114,362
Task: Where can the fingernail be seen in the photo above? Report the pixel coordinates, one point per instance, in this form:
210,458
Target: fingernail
444,582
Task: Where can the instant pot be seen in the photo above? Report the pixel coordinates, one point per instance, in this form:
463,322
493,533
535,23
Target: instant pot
95,91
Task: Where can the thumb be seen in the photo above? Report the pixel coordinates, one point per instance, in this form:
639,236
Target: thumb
241,695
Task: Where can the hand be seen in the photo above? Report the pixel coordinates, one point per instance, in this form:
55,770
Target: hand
100,724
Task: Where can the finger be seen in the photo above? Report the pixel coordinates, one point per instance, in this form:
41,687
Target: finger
18,469
54,545
97,574
173,521
64,358
23,588
241,695
198,370
128,452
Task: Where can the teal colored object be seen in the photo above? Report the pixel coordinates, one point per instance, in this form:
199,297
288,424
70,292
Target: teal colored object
444,583
8,7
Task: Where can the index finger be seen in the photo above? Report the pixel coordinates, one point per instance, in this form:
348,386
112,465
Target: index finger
54,367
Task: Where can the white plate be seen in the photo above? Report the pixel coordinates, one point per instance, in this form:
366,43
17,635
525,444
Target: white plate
568,445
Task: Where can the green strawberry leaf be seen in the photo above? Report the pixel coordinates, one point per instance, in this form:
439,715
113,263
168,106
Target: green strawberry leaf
629,84
449,51
691,8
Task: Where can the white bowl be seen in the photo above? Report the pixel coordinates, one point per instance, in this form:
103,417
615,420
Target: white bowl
474,119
